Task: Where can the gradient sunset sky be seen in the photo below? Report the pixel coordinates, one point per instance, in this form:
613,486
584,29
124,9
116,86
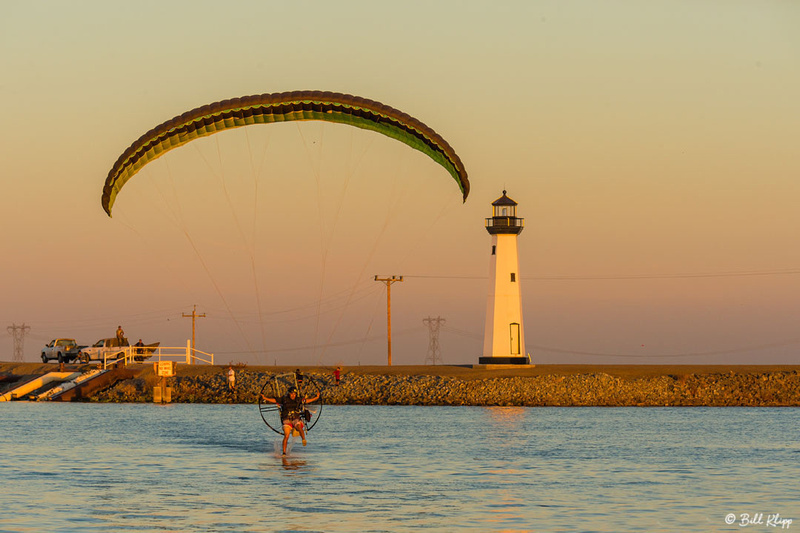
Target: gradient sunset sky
653,148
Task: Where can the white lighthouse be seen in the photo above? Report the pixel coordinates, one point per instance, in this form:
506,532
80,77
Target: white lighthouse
504,335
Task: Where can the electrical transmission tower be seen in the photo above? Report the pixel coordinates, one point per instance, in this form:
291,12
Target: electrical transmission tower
18,333
434,350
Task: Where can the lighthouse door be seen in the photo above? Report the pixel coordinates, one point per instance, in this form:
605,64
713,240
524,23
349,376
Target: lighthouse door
515,344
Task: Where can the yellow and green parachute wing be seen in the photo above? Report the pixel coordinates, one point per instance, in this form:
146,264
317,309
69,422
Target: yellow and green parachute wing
281,107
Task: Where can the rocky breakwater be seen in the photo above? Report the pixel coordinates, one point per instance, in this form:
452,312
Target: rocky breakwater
594,389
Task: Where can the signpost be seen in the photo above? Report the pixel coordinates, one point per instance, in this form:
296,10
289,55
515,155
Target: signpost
163,369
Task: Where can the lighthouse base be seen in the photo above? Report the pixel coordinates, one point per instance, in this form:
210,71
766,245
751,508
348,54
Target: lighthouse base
511,360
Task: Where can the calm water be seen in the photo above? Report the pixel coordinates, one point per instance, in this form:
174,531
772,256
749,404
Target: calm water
89,467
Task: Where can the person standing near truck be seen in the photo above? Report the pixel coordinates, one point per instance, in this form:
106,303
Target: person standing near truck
120,336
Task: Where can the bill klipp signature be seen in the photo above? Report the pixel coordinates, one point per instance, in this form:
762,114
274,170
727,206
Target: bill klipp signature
758,519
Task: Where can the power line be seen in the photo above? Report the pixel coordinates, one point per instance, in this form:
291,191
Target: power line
463,333
249,319
85,322
327,345
745,273
673,276
788,342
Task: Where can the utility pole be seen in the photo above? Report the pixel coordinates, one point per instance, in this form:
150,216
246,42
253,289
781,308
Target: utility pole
18,333
194,316
388,282
434,351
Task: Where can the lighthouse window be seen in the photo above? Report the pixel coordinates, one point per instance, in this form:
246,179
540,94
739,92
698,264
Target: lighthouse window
504,212
494,249
513,277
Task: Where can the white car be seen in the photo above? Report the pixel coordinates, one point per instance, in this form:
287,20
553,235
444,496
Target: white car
62,350
112,348
104,348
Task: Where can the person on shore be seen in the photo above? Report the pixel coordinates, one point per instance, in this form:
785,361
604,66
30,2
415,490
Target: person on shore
292,407
139,345
231,378
298,377
337,374
120,336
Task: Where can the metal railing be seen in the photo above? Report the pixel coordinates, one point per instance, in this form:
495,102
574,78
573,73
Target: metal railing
505,222
137,354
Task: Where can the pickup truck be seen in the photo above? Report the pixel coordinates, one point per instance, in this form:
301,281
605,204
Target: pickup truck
62,350
112,348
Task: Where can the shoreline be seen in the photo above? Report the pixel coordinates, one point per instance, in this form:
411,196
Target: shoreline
541,385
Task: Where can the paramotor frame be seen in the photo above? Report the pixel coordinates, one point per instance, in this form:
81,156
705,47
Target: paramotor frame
277,387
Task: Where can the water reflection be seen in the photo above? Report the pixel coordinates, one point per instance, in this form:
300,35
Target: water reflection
505,417
506,510
292,464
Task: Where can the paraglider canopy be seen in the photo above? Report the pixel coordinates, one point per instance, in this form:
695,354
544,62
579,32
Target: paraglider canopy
281,107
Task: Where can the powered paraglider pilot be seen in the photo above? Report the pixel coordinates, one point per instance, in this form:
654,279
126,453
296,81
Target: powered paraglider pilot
293,412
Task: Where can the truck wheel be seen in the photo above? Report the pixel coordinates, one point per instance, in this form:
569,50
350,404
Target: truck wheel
60,358
44,358
86,358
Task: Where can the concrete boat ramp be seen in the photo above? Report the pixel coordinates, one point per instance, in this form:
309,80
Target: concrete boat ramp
67,386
